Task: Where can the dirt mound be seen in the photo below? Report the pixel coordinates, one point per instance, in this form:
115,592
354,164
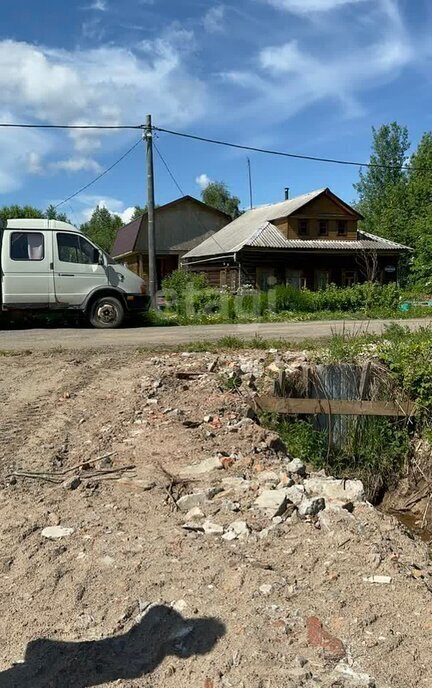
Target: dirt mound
308,587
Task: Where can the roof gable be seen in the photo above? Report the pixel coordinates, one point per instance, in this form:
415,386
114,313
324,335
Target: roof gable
127,236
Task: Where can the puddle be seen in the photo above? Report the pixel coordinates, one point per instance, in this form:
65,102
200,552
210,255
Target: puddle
413,523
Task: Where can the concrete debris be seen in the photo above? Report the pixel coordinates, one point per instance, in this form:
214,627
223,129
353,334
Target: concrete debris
266,589
336,490
334,516
268,478
295,494
310,507
296,466
273,502
380,580
356,677
211,464
194,514
240,529
190,501
56,532
212,528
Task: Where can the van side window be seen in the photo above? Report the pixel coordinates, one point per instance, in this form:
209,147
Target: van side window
27,246
75,249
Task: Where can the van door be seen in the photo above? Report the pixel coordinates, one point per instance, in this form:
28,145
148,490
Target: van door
27,269
76,268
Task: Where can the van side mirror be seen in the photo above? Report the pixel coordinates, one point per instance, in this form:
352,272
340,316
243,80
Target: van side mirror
100,258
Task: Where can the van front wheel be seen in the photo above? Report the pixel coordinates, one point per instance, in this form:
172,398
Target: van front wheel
106,312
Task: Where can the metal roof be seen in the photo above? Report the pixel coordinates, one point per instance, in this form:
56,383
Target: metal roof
237,233
254,229
269,236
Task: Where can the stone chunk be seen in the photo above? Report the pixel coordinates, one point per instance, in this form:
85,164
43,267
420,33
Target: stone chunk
310,507
197,499
296,466
295,494
268,477
240,529
194,514
336,490
211,464
274,502
72,483
56,532
212,528
380,580
334,516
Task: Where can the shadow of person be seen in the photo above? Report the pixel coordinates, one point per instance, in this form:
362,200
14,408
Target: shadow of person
160,633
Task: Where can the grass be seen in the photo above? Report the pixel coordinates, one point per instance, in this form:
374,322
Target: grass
171,318
373,449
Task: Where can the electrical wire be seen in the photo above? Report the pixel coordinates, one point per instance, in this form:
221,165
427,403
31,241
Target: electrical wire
254,149
168,169
287,155
102,174
171,174
12,125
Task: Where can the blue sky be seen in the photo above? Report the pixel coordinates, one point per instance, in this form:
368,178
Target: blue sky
305,76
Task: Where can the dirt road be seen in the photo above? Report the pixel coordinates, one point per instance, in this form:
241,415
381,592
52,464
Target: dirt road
128,596
46,339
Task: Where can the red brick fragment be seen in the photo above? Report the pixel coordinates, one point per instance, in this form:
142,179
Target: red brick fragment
318,636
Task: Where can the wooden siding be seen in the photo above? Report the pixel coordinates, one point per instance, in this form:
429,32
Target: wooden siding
320,209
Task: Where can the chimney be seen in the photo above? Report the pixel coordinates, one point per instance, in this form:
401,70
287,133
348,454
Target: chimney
286,193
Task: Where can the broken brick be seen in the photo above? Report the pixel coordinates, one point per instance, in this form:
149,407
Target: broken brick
318,636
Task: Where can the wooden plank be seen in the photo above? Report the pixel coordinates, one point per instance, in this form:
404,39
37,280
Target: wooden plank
335,406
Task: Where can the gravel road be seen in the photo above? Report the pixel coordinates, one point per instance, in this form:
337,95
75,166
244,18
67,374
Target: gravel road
148,337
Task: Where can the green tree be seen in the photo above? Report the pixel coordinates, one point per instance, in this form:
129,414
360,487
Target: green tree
102,227
420,204
217,195
16,212
52,213
382,188
138,211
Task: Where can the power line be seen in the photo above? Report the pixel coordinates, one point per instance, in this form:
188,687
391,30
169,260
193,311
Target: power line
168,169
288,155
171,174
102,174
12,125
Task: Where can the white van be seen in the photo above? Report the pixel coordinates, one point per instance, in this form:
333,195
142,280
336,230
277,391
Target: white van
48,264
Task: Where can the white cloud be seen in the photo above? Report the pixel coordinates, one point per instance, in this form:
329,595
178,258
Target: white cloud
203,181
105,85
75,165
290,77
99,6
213,19
114,205
308,6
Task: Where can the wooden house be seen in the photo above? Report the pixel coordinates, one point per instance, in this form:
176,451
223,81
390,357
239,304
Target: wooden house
309,242
180,225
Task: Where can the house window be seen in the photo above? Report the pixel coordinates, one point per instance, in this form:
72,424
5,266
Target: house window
27,246
342,228
294,278
266,278
322,228
322,279
349,278
303,228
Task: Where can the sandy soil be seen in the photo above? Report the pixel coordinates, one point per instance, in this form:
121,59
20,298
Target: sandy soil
130,597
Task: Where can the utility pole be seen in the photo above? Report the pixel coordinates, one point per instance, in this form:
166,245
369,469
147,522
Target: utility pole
148,135
250,183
